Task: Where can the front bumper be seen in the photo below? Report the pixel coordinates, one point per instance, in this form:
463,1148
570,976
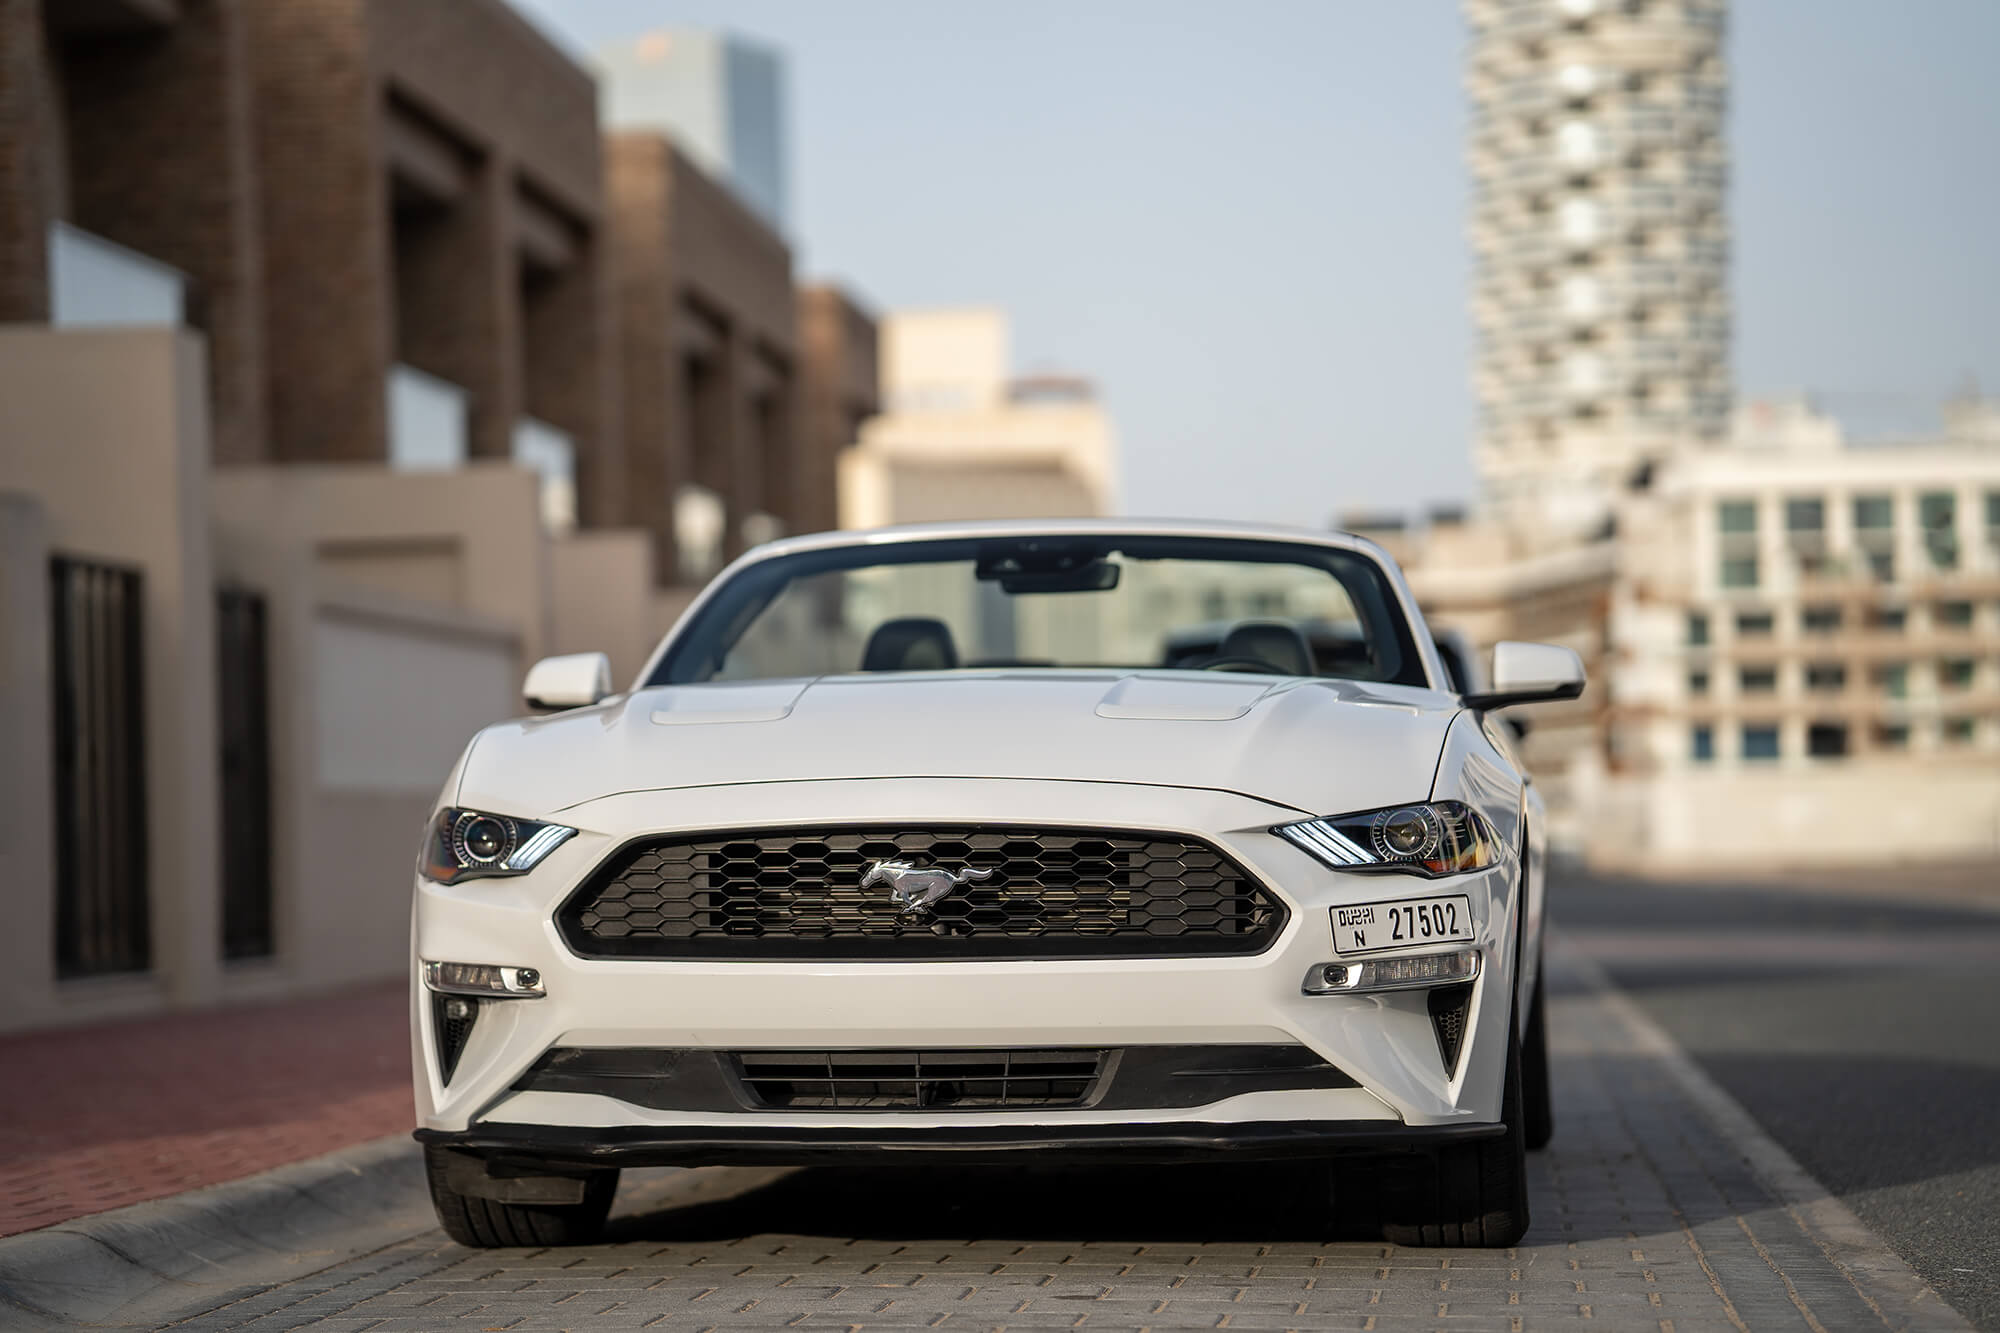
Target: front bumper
1012,1145
1385,1042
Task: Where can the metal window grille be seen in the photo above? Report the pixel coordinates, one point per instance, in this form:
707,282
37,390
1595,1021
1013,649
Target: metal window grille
97,674
243,720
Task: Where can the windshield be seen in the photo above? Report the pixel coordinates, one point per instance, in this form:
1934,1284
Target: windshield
1130,602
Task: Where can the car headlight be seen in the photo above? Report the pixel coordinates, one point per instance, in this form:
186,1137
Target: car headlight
471,844
1429,838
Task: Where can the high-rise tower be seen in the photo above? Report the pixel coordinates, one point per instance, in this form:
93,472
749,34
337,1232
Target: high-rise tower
1601,302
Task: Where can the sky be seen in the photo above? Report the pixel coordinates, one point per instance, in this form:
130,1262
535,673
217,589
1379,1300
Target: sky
1246,220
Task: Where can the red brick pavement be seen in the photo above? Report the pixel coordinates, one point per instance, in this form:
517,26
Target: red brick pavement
101,1117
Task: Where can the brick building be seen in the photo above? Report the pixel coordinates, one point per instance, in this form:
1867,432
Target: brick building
838,350
708,358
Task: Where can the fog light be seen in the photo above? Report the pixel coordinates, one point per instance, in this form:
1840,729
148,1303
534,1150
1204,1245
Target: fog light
1379,974
488,979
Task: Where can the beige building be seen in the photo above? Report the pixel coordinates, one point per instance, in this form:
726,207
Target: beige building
1809,651
963,437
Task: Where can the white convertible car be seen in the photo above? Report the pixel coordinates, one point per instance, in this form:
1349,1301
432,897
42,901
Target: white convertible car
1001,843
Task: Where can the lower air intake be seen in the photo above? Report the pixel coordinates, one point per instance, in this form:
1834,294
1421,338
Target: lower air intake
1449,1007
878,1080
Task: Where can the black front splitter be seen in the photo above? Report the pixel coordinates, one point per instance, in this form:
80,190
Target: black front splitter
763,1145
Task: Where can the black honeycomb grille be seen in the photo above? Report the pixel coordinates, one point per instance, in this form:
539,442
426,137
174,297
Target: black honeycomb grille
798,893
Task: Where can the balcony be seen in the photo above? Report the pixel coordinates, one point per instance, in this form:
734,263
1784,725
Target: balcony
95,283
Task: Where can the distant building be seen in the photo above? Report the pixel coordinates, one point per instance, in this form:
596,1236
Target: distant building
1809,665
961,437
1599,169
720,96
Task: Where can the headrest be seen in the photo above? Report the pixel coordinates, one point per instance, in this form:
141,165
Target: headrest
911,643
1277,642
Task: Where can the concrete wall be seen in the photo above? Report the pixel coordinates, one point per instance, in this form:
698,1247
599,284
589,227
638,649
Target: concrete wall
470,539
27,851
394,694
599,583
372,695
372,698
1903,811
109,431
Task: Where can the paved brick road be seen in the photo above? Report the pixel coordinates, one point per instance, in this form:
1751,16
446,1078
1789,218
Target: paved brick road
1645,1218
101,1117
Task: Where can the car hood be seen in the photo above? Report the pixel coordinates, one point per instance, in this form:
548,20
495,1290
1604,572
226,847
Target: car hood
1321,746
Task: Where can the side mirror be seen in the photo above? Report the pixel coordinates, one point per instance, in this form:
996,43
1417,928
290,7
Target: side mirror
1530,673
574,680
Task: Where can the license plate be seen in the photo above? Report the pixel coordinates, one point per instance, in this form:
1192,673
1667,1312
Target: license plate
1401,923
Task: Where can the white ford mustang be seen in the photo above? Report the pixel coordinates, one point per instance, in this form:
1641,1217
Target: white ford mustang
1005,842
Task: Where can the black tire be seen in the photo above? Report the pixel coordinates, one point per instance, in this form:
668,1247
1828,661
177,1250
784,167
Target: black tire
1469,1194
1538,1107
487,1223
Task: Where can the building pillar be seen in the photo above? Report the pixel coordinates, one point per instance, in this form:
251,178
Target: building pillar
161,161
458,301
33,161
324,209
567,374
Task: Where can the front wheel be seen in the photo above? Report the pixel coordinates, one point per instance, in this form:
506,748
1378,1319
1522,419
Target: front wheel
484,1223
1469,1194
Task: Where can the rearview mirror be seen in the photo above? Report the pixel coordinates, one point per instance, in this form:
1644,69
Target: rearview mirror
574,680
1530,673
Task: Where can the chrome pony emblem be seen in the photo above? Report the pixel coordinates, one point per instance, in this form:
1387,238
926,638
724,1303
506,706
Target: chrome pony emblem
918,888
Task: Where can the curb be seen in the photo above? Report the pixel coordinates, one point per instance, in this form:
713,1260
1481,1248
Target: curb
151,1262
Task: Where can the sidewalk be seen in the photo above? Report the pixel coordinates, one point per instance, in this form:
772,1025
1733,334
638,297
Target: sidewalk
101,1117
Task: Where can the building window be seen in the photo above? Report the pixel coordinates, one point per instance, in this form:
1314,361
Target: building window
1757,680
1697,682
1805,533
1697,629
1952,615
1937,513
1760,742
1892,735
1955,673
1874,513
1826,677
1893,679
1959,730
1701,744
1737,518
1826,740
1889,618
1755,624
1875,533
1820,619
1737,521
